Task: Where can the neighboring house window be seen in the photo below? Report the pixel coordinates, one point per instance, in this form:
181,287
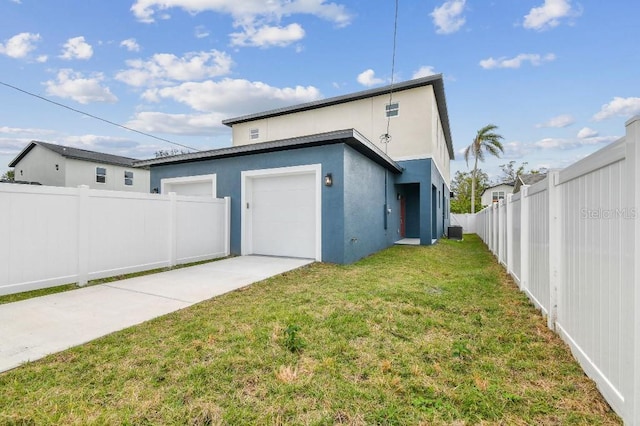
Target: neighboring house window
496,196
254,134
128,178
101,175
392,110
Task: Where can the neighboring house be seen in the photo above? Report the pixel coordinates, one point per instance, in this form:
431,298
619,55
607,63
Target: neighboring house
57,165
317,180
528,179
495,193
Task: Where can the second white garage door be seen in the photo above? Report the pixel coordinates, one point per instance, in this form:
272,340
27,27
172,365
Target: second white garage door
282,213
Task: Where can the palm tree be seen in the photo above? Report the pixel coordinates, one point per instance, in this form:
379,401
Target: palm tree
486,140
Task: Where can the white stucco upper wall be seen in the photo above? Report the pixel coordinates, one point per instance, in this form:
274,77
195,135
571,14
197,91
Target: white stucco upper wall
416,132
39,165
80,172
487,195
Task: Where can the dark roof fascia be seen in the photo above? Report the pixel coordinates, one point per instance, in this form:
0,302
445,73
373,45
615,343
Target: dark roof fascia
349,137
22,154
77,154
435,80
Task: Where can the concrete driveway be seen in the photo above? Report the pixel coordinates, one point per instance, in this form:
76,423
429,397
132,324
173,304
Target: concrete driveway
34,328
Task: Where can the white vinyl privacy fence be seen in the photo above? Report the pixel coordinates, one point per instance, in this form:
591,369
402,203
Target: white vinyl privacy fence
466,220
52,236
572,243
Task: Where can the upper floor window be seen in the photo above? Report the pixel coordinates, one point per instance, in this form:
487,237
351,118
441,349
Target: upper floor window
392,110
101,175
254,134
128,178
497,196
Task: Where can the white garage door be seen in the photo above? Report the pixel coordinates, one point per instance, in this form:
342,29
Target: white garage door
283,215
202,185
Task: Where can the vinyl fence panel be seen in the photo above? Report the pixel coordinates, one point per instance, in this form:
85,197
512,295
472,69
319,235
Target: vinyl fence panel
573,243
53,236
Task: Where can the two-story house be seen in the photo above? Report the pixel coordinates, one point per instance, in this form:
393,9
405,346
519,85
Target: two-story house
335,179
58,165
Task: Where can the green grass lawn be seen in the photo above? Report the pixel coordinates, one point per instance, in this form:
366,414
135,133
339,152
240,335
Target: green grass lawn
410,335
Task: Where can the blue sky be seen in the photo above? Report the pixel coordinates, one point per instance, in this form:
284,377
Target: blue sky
559,77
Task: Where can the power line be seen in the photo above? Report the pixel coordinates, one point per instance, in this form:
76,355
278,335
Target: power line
95,116
393,66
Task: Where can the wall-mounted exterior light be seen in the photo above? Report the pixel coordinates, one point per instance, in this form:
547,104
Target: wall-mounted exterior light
328,179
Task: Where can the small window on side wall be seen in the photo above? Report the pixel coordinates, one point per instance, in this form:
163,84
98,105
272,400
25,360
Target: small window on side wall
101,175
128,178
254,134
392,110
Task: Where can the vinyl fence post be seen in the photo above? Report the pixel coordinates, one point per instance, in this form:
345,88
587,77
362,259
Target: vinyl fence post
227,226
524,237
509,253
84,212
632,141
500,250
173,230
555,246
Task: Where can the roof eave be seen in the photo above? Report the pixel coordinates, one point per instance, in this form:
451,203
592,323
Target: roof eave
349,137
22,154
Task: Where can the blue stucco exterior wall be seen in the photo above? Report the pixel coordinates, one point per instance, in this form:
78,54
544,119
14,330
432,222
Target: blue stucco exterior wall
353,209
228,175
424,173
364,207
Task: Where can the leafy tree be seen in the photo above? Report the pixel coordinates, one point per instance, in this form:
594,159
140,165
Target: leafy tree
169,152
461,187
9,175
486,140
510,171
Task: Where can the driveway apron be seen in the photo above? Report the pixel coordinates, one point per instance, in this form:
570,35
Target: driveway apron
33,328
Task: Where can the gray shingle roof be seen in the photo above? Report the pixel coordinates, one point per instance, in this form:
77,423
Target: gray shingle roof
77,154
350,137
530,179
434,80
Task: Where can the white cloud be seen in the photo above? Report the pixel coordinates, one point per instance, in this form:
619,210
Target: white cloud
76,48
12,146
586,132
246,10
515,150
622,107
448,17
111,144
258,20
559,121
516,62
27,132
73,85
42,59
179,124
163,68
233,97
368,78
20,45
549,14
572,143
424,71
201,31
267,36
131,44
